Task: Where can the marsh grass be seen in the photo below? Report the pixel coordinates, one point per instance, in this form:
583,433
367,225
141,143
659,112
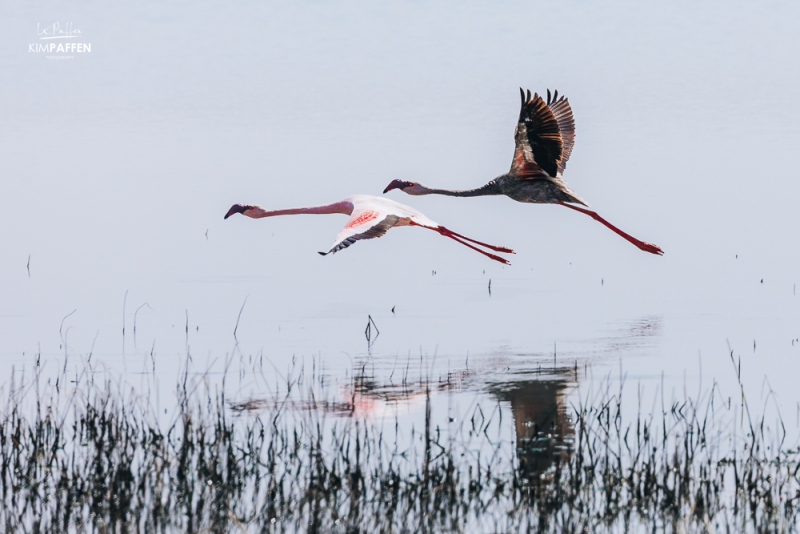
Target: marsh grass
94,458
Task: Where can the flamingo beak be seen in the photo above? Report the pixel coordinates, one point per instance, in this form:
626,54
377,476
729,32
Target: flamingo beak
396,184
236,208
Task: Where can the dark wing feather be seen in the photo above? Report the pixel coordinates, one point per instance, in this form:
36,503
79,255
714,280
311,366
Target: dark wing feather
566,125
376,230
538,140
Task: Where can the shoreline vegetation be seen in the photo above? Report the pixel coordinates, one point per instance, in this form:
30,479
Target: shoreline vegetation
84,456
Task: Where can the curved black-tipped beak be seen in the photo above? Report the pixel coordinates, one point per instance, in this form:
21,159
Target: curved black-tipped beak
236,208
396,184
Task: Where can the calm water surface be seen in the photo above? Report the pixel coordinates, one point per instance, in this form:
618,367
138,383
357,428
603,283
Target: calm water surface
119,164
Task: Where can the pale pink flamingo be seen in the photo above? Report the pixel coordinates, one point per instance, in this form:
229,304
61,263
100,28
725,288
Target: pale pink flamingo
544,139
369,217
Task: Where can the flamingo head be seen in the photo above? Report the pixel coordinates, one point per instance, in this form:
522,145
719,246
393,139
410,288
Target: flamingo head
411,188
238,208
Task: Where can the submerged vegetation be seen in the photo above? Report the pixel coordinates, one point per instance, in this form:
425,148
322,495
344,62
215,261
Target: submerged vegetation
97,459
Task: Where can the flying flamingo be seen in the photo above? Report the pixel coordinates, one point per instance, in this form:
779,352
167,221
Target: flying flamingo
544,138
369,217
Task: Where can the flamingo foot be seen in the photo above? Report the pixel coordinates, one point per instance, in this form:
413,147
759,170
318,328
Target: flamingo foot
649,247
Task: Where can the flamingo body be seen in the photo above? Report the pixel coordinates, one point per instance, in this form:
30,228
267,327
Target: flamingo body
370,217
544,138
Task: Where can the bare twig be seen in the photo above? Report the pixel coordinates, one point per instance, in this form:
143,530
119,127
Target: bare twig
235,328
134,320
62,325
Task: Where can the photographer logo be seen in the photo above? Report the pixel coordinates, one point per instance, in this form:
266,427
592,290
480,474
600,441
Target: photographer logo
57,41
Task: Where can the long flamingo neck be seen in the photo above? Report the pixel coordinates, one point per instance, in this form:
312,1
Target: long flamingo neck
257,212
489,189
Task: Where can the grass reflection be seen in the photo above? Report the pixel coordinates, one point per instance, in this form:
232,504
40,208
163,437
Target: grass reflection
102,462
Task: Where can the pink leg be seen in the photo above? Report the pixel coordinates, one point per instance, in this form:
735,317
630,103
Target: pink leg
443,231
448,233
647,247
496,258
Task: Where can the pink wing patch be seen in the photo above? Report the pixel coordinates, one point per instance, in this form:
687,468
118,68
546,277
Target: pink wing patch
361,219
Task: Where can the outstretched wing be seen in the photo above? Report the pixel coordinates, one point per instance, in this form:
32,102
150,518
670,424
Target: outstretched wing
363,224
566,126
539,147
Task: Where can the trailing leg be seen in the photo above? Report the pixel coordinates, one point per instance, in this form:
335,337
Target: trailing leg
448,232
647,247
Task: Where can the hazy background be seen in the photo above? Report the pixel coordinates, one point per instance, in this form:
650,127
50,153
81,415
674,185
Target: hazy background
118,166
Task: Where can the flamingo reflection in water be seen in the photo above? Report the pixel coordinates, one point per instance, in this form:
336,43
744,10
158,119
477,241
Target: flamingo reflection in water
544,433
543,430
